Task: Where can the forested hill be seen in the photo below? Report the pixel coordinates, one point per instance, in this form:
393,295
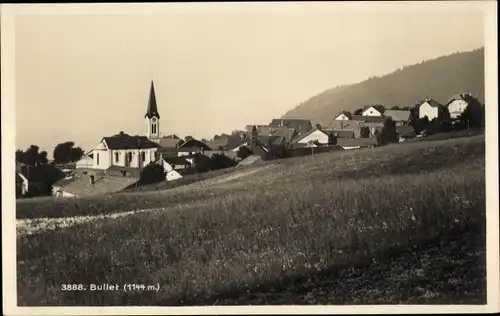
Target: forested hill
438,78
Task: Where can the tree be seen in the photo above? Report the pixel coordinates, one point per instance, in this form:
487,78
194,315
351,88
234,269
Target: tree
365,132
243,152
43,157
318,126
66,152
358,112
388,134
473,116
152,173
216,137
19,156
420,124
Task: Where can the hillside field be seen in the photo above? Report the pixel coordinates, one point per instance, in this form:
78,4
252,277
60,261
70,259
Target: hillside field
403,223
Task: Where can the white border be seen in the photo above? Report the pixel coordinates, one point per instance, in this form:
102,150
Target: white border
8,13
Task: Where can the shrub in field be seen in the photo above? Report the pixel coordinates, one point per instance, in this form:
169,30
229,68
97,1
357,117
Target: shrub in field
152,173
243,152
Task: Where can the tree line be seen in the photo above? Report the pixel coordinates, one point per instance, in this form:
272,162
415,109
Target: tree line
65,152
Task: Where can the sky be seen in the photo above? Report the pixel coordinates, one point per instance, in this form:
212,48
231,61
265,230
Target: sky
216,68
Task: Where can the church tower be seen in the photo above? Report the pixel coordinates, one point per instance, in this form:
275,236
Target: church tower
152,116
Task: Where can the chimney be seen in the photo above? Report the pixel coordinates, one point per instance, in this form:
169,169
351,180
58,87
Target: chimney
92,179
281,123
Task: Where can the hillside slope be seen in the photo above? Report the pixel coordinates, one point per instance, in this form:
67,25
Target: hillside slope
439,79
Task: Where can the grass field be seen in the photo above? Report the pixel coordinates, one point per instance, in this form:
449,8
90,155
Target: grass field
322,229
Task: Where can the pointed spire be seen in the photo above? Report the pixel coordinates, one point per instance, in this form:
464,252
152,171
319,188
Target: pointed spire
152,108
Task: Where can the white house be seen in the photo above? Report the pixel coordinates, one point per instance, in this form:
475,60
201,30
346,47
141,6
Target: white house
373,110
316,135
458,103
430,108
343,116
171,167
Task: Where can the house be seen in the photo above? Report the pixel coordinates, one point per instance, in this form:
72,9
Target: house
36,180
459,102
261,129
300,125
93,184
87,161
373,110
400,117
343,116
357,143
172,166
345,133
432,109
315,136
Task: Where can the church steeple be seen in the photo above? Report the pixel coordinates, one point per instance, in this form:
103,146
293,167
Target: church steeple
152,110
152,116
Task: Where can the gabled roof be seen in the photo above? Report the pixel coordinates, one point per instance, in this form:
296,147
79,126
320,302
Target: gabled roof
368,119
300,125
302,136
377,107
125,141
467,97
431,102
121,171
171,136
176,160
152,109
398,115
345,124
346,113
286,132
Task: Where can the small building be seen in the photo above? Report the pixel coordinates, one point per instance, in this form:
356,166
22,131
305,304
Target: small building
315,136
431,109
459,102
406,132
92,184
343,116
373,110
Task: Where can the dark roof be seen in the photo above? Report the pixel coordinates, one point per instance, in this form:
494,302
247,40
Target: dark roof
172,136
432,103
195,144
176,160
125,141
467,97
366,118
152,109
272,140
300,125
234,141
353,142
261,129
286,132
170,142
346,113
378,107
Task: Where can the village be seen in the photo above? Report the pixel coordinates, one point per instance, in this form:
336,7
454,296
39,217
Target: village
116,162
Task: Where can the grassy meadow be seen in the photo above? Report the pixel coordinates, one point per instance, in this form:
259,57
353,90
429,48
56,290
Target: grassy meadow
404,223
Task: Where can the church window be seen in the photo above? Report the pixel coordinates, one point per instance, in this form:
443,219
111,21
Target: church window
143,156
97,159
117,158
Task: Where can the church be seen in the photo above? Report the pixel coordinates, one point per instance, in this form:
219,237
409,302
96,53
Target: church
126,151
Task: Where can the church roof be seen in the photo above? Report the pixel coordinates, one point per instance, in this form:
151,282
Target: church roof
152,107
125,141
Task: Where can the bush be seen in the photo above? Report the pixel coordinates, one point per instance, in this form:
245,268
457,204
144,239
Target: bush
388,134
152,173
243,152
